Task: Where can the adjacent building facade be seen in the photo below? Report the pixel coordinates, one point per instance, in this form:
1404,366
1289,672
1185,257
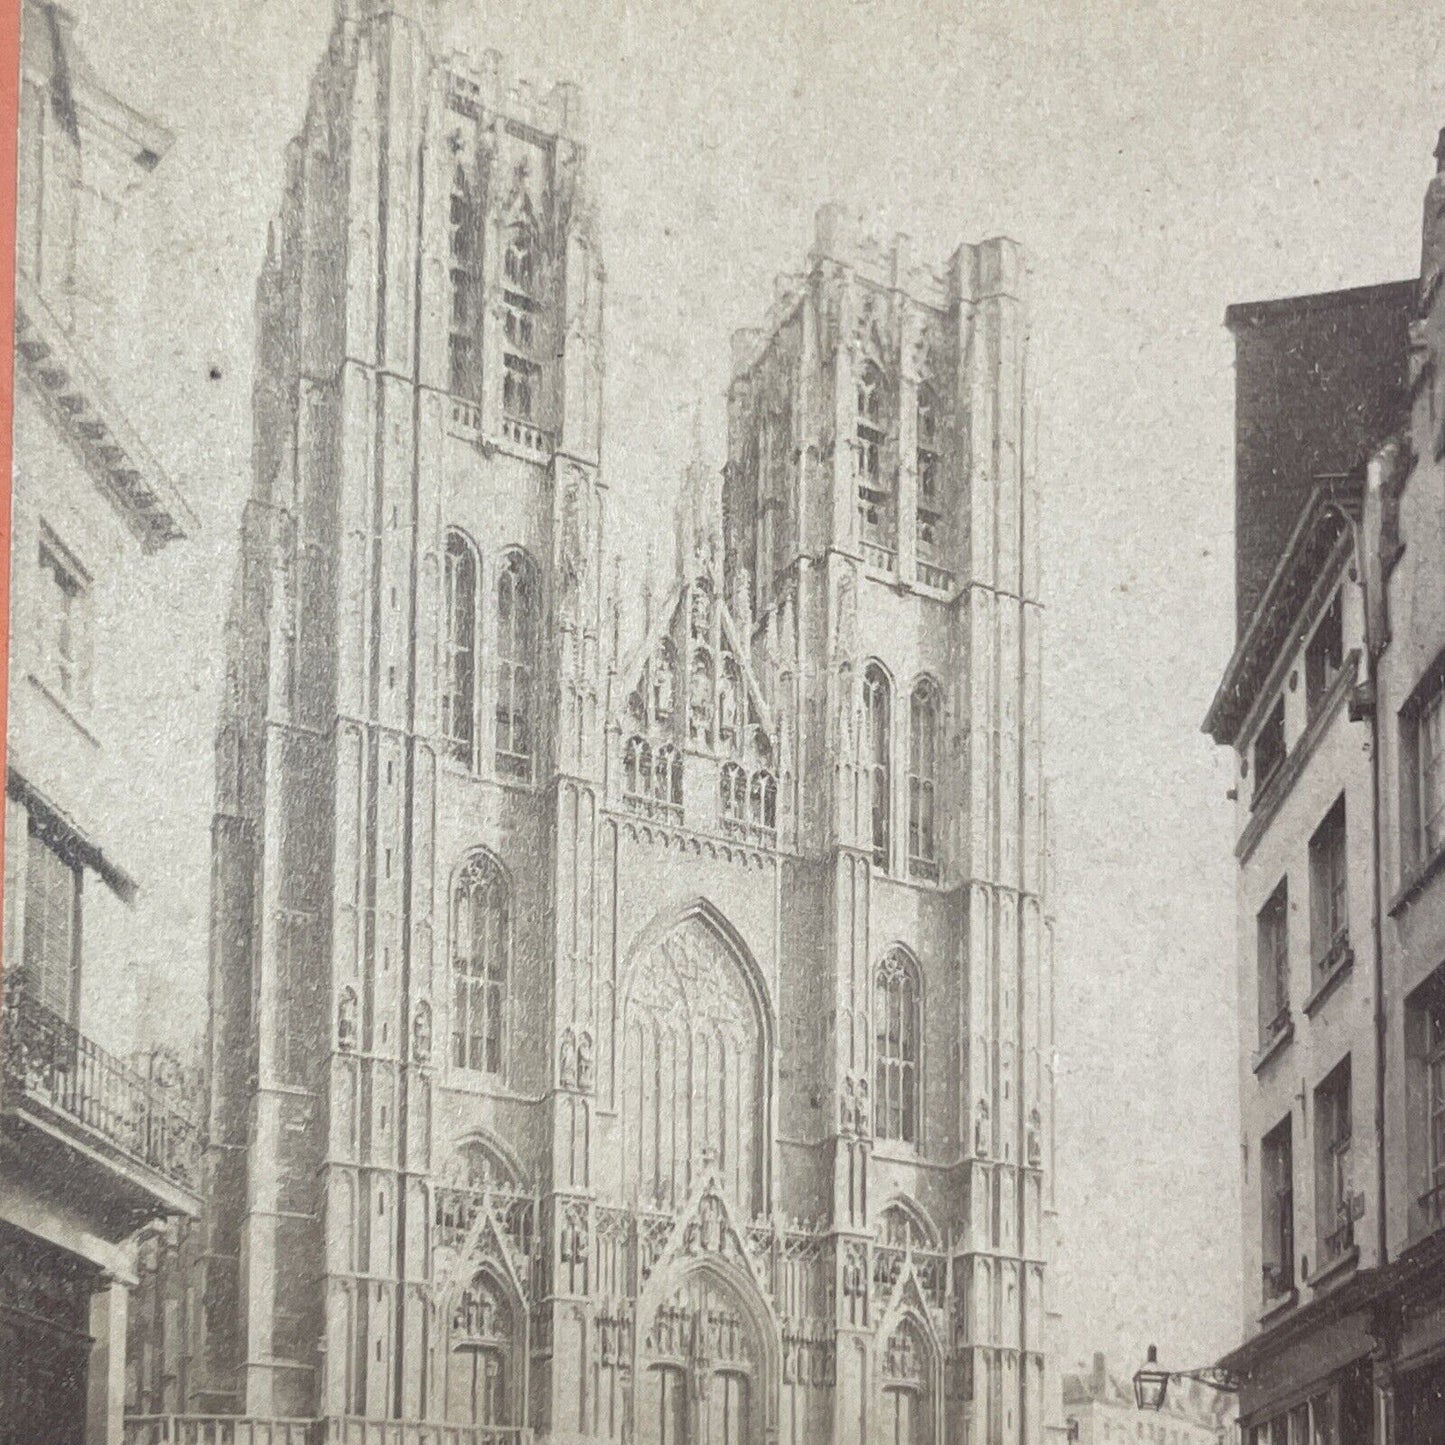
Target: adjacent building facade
94,1142
1331,701
618,1041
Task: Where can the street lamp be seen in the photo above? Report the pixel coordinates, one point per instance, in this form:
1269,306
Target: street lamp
1151,1381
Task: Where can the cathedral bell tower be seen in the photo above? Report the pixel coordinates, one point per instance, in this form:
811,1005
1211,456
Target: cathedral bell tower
881,501
415,685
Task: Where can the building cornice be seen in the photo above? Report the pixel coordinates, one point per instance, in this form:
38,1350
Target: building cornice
149,502
1335,505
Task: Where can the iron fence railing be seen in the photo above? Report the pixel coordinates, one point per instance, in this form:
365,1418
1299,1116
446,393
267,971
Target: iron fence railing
349,1430
48,1060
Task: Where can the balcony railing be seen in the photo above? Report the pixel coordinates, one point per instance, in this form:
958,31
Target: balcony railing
649,807
930,575
883,558
49,1061
523,433
256,1430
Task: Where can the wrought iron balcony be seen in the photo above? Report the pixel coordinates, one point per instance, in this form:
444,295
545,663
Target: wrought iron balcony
50,1065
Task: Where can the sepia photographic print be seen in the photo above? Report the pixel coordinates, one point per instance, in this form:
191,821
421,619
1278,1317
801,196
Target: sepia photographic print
725,724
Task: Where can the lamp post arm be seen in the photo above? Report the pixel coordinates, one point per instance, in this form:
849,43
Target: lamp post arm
1225,1381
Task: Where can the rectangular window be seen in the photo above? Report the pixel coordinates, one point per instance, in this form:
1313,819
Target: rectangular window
1435,1071
1430,775
1425,1064
1277,1185
52,926
1272,930
64,623
1324,656
1269,747
1329,891
1332,1166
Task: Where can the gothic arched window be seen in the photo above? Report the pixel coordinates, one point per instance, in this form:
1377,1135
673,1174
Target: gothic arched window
763,801
667,776
929,480
479,1389
459,689
464,351
924,713
733,794
517,607
877,743
481,955
874,494
897,1000
521,371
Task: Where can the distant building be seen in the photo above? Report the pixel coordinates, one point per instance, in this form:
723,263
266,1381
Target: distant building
93,1145
1099,1409
1333,703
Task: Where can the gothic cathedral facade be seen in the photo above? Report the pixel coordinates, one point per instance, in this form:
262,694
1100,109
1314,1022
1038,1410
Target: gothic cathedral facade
635,1035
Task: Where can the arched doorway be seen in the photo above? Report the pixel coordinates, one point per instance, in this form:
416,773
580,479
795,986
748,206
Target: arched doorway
693,1083
906,1379
702,1376
482,1383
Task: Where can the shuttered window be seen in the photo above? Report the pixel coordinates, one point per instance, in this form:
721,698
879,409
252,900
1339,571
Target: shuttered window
52,916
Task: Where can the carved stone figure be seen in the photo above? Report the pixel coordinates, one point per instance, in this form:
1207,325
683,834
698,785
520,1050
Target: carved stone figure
421,1033
346,1020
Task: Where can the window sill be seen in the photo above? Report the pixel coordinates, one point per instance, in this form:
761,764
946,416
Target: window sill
1272,1046
68,709
1415,884
1276,1308
1335,1270
1332,970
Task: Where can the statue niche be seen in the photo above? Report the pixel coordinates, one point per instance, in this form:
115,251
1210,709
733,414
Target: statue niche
693,1092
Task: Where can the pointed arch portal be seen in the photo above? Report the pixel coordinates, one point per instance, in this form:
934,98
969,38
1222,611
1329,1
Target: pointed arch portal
703,1373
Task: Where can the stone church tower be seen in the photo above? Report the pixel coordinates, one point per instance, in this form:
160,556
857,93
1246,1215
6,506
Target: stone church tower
619,1040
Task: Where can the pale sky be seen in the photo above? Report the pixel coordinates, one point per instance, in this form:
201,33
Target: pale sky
1157,160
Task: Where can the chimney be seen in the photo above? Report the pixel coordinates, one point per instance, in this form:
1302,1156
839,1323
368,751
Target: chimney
1098,1377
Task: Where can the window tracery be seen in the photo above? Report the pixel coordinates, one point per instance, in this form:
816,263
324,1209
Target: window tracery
733,800
875,494
929,514
481,955
464,338
877,759
517,605
897,998
924,715
521,367
459,689
692,1082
